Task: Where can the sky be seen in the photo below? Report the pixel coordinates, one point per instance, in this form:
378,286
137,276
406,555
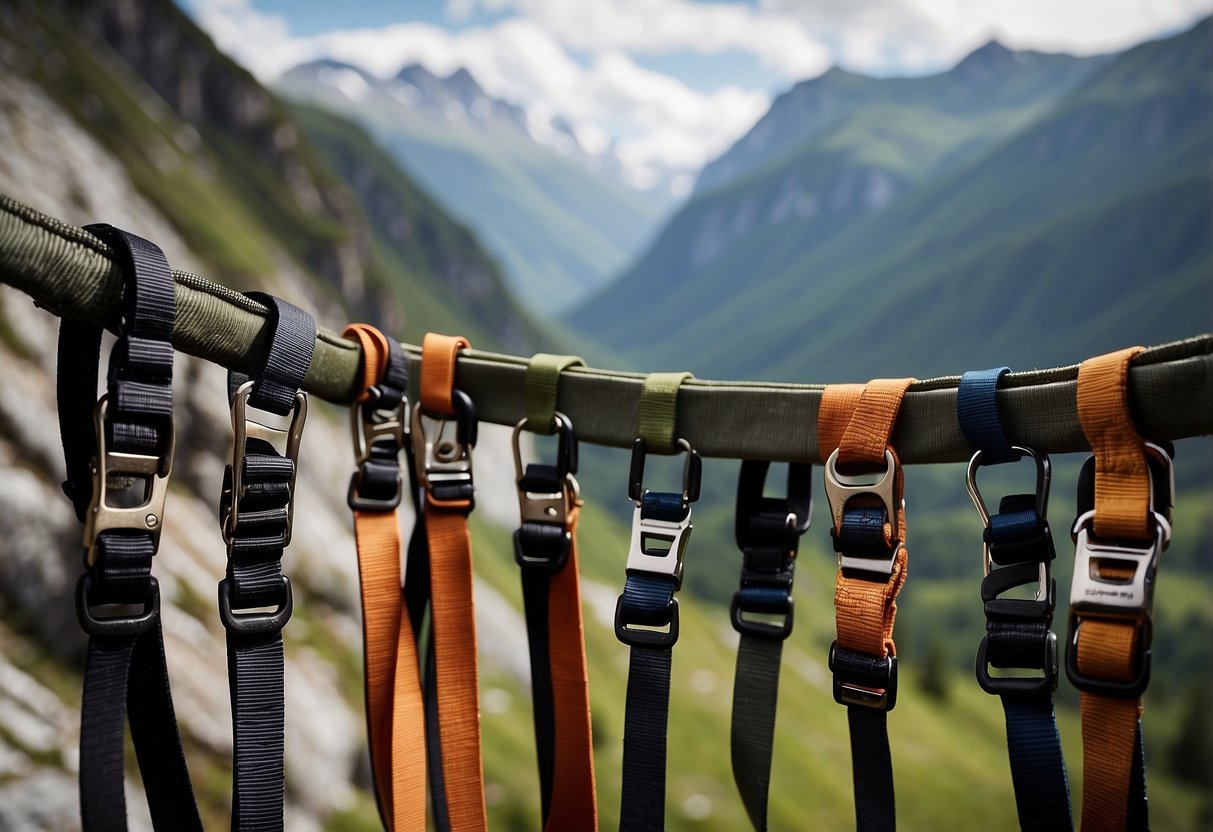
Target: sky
673,83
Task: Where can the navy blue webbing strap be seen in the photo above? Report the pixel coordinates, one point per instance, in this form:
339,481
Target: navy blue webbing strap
255,513
1018,549
125,672
767,530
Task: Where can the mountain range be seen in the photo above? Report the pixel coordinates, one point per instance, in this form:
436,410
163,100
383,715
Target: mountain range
1020,208
560,220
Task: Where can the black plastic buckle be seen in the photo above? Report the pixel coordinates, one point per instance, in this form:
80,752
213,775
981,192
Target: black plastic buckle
863,681
357,502
1020,685
642,637
1130,689
254,623
547,550
777,631
117,625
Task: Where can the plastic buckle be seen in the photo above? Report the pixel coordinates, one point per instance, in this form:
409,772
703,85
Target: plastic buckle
1043,478
254,623
287,435
118,625
863,681
781,604
549,506
840,488
444,465
644,637
1019,685
152,471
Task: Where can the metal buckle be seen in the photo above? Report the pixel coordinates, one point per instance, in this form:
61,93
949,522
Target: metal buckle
657,546
1091,592
288,437
549,507
152,471
1043,478
444,465
369,424
840,488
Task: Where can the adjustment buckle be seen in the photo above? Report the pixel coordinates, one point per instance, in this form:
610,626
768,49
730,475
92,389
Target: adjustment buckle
285,436
255,623
657,546
863,681
369,425
549,506
1093,592
841,488
1019,685
444,465
147,515
116,625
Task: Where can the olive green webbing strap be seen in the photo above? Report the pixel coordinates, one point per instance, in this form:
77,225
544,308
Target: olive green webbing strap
543,385
657,411
73,274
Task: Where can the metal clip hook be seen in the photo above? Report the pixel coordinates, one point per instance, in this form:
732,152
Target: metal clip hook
549,506
444,465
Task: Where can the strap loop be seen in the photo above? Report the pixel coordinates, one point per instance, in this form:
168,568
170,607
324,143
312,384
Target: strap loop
542,388
658,414
439,354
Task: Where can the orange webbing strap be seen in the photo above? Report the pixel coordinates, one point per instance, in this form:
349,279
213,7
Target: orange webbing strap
395,708
1107,648
573,803
454,623
857,420
1122,473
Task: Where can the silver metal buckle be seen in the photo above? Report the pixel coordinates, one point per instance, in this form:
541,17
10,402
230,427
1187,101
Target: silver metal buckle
152,471
439,459
540,507
1044,475
369,424
1091,592
664,558
284,437
842,487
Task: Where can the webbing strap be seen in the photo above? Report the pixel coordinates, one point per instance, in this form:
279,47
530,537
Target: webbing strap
542,386
658,410
453,614
1018,634
125,671
767,530
256,517
1109,648
394,703
859,422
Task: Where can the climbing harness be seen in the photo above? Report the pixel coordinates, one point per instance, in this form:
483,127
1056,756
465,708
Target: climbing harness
1017,551
1123,525
256,514
444,468
118,452
394,701
768,531
864,487
646,614
545,547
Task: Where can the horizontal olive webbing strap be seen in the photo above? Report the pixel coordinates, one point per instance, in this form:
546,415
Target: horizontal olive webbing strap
73,274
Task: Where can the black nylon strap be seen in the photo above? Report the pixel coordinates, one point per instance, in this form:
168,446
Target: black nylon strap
872,770
535,592
257,529
642,808
125,671
752,733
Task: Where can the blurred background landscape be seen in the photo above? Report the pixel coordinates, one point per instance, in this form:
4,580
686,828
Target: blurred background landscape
781,190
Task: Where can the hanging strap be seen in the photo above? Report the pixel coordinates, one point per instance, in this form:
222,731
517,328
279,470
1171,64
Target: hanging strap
646,614
1017,541
124,442
256,513
545,547
768,532
1123,527
447,466
869,535
394,705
